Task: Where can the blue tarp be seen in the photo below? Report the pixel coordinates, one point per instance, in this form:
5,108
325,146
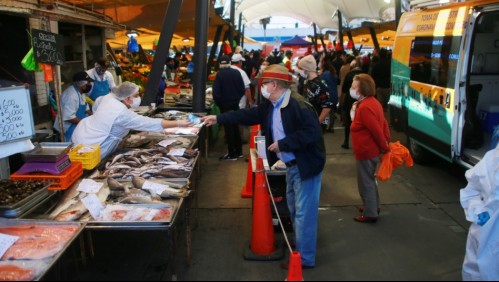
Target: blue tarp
297,41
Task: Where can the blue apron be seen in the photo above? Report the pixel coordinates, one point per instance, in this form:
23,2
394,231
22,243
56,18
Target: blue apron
100,88
81,113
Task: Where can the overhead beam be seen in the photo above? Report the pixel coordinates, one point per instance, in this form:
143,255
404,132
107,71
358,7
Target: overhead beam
200,50
162,52
372,31
214,47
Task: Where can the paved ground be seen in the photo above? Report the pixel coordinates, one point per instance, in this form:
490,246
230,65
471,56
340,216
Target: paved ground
421,234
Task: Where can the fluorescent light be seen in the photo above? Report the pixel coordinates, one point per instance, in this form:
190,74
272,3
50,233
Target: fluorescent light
132,33
186,39
387,1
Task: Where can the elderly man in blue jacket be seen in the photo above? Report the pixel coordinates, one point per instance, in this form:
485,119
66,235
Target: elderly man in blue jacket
293,135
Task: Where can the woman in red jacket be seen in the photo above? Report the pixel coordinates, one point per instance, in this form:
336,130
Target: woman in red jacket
370,136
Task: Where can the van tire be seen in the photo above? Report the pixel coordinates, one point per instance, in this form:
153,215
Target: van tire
419,154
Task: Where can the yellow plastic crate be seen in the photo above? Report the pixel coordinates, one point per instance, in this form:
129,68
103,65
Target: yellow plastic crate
89,160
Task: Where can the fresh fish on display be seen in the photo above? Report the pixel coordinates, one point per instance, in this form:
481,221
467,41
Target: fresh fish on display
77,209
115,185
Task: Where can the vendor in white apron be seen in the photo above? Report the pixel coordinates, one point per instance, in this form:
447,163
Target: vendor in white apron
103,79
74,108
112,120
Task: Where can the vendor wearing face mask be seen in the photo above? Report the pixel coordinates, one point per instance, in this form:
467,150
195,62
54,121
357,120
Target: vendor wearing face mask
293,135
112,120
74,108
103,79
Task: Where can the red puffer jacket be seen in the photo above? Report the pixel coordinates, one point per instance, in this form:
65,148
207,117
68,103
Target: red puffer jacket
369,129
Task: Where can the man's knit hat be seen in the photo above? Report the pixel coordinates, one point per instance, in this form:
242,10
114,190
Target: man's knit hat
308,63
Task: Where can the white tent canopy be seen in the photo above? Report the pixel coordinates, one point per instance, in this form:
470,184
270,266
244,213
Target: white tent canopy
322,13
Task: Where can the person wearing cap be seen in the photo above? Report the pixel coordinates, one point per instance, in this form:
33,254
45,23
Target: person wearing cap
112,120
74,107
237,64
293,135
103,79
315,89
287,60
228,88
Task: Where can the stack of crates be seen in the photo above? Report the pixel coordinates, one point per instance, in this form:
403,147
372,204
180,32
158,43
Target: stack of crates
89,160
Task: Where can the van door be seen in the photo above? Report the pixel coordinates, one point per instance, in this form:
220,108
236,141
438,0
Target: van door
434,59
478,83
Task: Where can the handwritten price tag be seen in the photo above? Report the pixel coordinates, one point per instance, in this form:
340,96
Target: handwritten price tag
6,241
177,152
167,142
156,188
89,186
93,204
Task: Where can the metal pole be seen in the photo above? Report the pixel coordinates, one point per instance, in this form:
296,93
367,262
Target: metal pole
57,88
200,50
162,51
231,23
214,47
315,38
240,40
340,27
373,37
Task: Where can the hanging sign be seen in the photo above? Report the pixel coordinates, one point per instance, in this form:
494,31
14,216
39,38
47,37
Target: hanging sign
48,47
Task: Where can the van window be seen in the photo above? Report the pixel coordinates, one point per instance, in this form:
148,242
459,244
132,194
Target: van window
434,59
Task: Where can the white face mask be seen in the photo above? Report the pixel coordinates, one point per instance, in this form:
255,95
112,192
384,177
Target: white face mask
263,67
354,94
136,103
265,93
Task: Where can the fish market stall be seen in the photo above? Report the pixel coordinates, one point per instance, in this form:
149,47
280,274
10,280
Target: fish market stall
30,248
136,204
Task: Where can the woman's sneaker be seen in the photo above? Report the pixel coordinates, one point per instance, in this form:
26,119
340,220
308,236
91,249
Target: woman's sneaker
228,157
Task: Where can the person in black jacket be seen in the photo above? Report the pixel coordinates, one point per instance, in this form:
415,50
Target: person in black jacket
293,135
228,88
355,67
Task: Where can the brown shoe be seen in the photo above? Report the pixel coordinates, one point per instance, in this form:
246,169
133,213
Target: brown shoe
285,265
365,219
361,210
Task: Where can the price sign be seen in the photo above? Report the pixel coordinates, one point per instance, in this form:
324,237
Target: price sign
48,47
16,116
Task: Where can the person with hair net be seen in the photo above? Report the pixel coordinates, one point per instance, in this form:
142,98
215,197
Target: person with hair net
112,120
74,107
480,201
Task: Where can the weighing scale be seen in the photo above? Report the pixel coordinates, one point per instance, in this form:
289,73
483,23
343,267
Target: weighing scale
47,157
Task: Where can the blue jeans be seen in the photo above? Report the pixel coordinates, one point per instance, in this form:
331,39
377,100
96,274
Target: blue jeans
303,205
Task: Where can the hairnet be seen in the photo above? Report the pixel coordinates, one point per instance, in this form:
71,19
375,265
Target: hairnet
125,90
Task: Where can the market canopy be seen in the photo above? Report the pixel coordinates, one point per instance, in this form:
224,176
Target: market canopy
149,14
322,13
296,41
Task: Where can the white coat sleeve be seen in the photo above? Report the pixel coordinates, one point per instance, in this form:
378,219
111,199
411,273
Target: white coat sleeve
131,120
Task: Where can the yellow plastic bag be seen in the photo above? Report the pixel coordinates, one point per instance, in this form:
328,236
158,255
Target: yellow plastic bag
29,63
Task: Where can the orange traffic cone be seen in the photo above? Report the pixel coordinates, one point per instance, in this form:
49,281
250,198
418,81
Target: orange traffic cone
262,246
247,191
295,270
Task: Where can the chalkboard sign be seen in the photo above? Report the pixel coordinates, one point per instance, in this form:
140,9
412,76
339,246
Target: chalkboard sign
16,115
48,47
